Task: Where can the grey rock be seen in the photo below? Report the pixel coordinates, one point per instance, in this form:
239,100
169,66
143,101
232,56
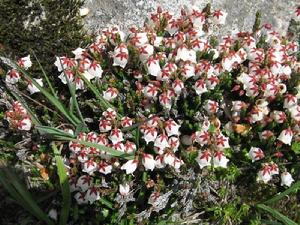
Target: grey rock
241,13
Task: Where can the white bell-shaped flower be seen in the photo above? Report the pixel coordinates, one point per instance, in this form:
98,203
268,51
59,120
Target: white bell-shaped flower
286,136
286,179
130,166
32,88
148,161
204,158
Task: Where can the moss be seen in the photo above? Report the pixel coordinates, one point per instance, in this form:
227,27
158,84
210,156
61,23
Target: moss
48,27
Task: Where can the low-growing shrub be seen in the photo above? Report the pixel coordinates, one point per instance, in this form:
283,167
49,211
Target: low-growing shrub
168,123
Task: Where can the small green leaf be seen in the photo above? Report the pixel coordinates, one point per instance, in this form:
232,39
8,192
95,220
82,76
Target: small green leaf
64,184
296,147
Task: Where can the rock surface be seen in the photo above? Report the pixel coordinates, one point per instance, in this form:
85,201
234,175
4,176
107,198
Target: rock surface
241,13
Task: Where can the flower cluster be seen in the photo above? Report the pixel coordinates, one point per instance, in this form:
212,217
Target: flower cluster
179,91
13,76
18,117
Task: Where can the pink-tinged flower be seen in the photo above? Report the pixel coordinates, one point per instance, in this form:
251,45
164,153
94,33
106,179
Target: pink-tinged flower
79,84
256,114
74,147
104,167
148,161
105,125
256,154
270,90
89,166
169,158
266,134
116,136
222,142
174,143
124,189
24,124
274,170
227,63
129,147
102,139
110,94
219,17
177,86
92,195
286,136
63,63
200,44
286,71
198,18
295,112
211,82
276,68
177,163
32,88
164,75
185,54
204,158
79,53
139,39
256,54
264,174
84,64
91,137
220,159
211,107
150,134
286,179
154,121
293,47
109,114
200,86
25,62
180,37
83,156
278,116
202,137
80,198
130,166
172,27
150,91
126,121
66,74
188,70
145,52
161,141
252,90
84,182
12,77
172,128
289,101
95,70
249,42
120,56
159,161
297,14
119,146
153,66
165,100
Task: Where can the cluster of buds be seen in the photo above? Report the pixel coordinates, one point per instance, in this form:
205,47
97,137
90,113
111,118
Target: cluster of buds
18,117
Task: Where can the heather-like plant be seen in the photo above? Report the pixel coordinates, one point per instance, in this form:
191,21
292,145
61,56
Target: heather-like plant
157,119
